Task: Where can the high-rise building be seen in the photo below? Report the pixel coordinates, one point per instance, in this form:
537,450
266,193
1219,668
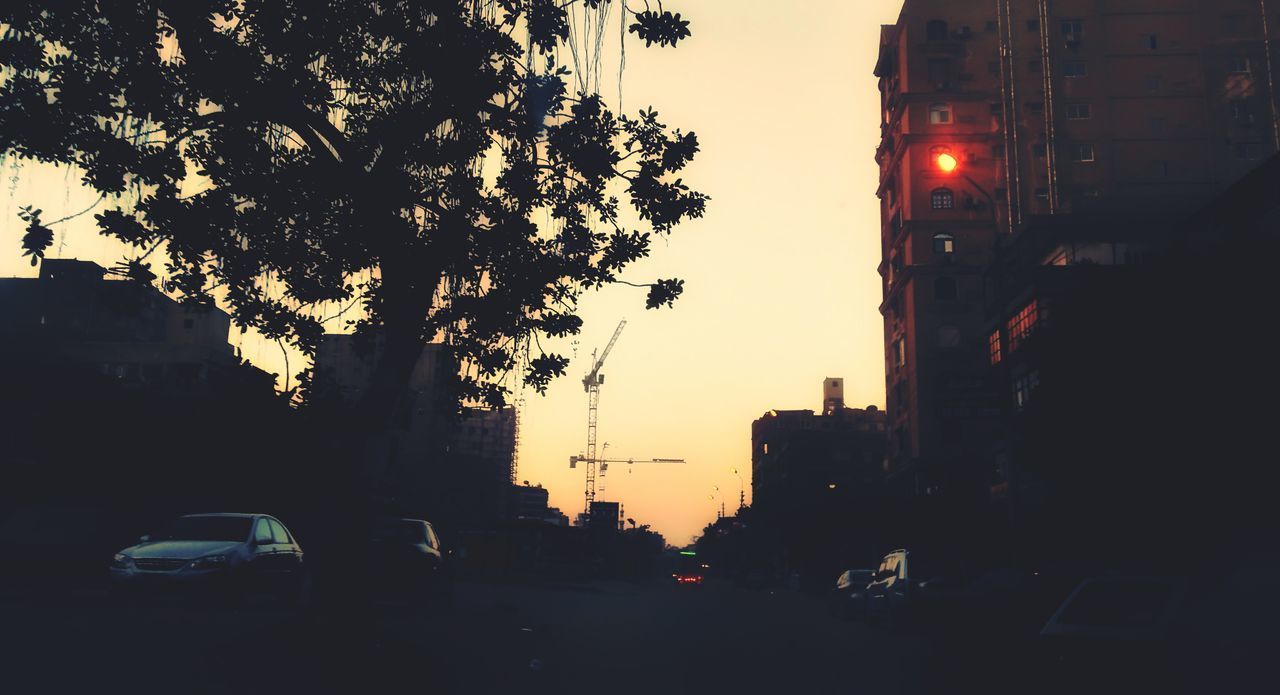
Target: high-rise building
1037,119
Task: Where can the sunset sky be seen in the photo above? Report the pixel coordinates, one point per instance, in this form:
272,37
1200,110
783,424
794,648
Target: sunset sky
780,282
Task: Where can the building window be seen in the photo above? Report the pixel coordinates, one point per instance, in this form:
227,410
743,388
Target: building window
900,351
993,346
1239,65
944,289
1072,29
1152,83
993,67
944,243
1247,151
1074,68
1078,112
1158,124
1022,388
942,199
940,72
1151,41
1038,149
948,337
1042,195
1035,107
1161,168
1082,153
936,30
996,108
940,114
1022,324
1241,112
1033,25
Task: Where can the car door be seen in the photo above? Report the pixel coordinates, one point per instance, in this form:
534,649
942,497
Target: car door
262,565
286,557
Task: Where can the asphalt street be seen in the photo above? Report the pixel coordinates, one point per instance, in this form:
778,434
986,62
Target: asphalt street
565,638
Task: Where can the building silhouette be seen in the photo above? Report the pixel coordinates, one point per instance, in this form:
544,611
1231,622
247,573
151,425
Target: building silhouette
811,476
78,313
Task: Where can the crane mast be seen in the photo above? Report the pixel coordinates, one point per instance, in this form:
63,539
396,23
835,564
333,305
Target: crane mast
591,383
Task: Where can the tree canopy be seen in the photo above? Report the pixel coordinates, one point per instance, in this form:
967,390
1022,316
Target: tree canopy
426,160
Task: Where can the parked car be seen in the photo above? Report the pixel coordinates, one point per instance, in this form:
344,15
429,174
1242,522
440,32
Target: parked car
1114,633
894,589
232,555
848,599
409,560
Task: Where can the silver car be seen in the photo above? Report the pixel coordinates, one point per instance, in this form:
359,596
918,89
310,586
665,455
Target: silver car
229,553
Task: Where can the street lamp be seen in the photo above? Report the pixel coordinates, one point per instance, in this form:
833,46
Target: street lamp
947,163
742,494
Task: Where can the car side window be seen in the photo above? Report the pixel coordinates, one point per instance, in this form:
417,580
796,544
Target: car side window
262,532
432,540
278,533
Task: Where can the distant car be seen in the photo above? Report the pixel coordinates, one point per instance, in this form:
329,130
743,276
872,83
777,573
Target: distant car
848,599
409,559
689,569
892,593
230,554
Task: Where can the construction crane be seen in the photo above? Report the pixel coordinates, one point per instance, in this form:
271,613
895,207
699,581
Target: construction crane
591,383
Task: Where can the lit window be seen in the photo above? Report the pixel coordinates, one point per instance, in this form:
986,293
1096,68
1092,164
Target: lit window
1074,68
940,114
1082,153
942,199
945,289
1022,324
993,346
1078,112
900,351
944,243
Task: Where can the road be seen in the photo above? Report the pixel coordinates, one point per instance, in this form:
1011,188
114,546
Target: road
564,638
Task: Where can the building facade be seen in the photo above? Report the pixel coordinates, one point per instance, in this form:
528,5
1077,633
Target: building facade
1047,119
78,312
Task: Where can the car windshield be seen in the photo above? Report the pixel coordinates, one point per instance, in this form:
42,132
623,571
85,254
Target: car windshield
207,528
402,530
1119,603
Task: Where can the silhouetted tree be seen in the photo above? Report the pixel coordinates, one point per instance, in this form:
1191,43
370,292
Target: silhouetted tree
292,158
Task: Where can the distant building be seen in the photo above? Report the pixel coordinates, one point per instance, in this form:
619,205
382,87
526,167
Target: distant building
132,333
605,516
799,457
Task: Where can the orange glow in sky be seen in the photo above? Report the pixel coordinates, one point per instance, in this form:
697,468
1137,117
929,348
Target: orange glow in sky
781,288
